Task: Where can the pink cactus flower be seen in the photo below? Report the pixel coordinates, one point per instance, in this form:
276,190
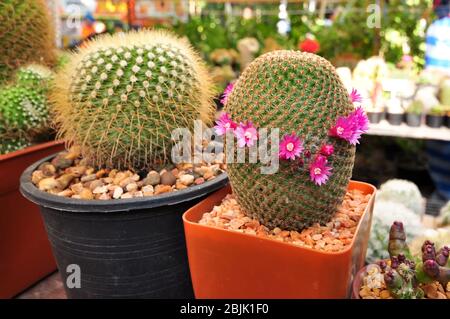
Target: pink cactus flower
319,171
355,96
223,124
226,93
246,134
327,150
290,147
351,127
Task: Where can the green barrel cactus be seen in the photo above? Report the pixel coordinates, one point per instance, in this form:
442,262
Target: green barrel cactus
34,76
295,92
26,36
12,144
121,97
23,109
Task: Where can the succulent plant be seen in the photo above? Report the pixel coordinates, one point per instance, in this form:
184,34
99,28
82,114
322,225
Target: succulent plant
416,107
404,273
35,76
403,192
384,214
300,92
438,110
120,97
26,35
11,144
23,109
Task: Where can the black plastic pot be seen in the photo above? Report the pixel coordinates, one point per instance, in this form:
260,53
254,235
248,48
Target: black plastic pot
434,120
395,118
375,117
413,119
128,248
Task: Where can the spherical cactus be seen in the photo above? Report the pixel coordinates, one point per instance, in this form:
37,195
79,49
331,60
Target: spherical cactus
23,109
301,93
35,76
8,145
26,35
121,97
403,192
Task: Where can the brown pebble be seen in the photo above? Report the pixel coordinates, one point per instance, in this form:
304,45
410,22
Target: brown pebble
64,180
180,186
168,178
86,193
37,176
199,181
48,183
160,189
88,178
131,187
94,184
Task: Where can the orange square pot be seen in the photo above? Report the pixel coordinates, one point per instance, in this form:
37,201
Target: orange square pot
227,264
25,253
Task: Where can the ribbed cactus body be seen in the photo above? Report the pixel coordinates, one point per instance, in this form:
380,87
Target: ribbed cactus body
301,93
23,109
26,35
121,97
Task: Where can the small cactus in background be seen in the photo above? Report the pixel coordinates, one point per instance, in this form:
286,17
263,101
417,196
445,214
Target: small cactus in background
35,76
26,36
404,192
23,109
120,97
384,214
403,274
301,93
8,145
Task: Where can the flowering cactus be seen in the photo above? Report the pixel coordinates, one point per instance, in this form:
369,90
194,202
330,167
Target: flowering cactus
301,95
121,97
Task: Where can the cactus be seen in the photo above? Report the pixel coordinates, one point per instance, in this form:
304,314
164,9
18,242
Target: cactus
401,280
299,92
384,214
12,144
121,96
433,265
23,109
26,36
34,76
403,192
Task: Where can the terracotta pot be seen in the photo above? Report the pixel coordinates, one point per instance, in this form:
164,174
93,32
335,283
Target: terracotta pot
227,264
25,253
357,282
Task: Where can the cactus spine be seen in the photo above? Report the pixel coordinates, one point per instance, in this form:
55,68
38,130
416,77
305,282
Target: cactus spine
121,97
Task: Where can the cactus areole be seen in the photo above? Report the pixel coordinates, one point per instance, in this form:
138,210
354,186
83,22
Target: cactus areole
301,95
121,97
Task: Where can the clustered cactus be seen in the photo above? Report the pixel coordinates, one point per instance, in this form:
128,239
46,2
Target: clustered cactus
301,93
404,274
121,96
26,36
24,111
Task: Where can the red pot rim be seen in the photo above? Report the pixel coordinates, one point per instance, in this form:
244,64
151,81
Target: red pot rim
29,149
